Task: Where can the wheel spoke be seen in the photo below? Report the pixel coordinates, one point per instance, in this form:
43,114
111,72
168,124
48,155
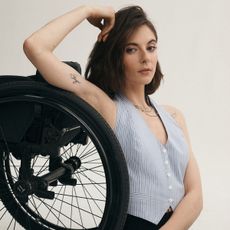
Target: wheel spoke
3,209
91,198
90,170
80,206
43,168
93,183
60,210
90,153
88,203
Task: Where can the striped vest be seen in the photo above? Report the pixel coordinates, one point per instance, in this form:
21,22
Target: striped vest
156,171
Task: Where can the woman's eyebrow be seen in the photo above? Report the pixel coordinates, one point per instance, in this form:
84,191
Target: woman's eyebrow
152,41
136,44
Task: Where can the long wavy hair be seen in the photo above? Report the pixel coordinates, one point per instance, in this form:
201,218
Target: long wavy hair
105,66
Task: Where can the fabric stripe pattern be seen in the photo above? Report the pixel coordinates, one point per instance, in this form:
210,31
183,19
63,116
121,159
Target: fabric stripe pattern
156,171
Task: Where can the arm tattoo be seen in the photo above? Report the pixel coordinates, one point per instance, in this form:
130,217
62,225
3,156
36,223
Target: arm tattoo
173,115
74,78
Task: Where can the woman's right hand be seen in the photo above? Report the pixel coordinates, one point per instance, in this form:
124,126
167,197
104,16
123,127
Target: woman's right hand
102,17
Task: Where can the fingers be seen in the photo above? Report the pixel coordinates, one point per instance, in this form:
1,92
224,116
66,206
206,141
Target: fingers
105,37
102,38
107,27
102,17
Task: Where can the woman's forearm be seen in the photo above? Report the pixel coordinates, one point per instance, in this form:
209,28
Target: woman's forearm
186,212
49,36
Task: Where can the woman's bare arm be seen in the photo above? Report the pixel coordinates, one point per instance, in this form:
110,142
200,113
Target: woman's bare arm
191,205
39,49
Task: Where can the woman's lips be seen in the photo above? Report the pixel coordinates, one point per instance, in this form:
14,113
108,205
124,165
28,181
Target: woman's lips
145,71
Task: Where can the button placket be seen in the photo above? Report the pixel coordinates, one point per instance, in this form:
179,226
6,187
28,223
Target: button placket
164,150
168,173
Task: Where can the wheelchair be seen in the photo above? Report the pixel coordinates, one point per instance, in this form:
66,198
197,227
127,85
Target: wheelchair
61,166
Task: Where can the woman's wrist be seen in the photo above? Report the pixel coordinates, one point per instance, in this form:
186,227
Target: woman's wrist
88,10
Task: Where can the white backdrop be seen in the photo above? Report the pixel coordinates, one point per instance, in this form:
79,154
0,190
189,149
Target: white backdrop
194,49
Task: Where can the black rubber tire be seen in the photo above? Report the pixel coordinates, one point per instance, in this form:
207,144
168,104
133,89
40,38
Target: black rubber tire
113,160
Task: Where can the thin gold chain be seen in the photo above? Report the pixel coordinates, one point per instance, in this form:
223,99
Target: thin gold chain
148,111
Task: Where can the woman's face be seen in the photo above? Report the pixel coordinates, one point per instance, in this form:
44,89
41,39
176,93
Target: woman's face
140,57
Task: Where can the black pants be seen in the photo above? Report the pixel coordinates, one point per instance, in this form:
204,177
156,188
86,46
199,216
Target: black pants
136,223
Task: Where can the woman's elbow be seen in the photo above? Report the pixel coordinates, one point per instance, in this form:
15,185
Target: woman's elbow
32,49
28,47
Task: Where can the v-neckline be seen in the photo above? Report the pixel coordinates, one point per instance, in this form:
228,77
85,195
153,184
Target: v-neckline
152,103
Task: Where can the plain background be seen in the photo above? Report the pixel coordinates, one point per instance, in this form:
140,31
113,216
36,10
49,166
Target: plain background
194,50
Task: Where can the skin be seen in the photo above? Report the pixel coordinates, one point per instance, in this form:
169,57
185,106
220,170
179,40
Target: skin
140,53
140,59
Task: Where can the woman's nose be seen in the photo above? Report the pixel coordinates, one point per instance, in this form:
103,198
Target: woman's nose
144,57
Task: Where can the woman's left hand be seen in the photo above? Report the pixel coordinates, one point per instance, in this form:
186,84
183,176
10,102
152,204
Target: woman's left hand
102,17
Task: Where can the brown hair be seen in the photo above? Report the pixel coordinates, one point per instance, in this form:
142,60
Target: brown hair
105,65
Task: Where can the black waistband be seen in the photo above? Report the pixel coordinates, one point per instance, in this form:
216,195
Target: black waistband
137,223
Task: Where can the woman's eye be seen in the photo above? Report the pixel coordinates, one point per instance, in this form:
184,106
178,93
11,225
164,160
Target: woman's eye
130,50
152,48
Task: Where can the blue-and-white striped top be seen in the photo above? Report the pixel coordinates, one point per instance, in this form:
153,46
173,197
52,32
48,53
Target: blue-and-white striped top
156,171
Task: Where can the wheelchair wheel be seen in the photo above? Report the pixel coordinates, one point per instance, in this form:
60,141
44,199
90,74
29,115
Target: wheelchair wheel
61,167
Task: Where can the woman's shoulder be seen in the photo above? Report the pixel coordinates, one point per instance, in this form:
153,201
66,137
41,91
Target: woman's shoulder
176,114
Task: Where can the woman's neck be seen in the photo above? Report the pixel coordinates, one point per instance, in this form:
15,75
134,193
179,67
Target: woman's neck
137,97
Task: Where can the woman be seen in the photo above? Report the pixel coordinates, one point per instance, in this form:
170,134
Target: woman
123,69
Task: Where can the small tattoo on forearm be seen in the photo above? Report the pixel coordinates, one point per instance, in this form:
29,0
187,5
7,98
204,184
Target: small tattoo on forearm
173,114
74,78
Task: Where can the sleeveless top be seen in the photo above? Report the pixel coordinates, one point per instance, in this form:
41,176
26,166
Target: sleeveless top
156,170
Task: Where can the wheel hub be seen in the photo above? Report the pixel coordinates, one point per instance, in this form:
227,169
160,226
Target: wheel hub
39,185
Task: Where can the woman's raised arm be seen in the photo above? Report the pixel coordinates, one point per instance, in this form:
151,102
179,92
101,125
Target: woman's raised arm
39,50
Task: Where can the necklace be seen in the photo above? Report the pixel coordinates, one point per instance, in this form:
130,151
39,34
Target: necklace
148,111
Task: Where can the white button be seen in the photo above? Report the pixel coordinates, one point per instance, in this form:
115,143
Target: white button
170,187
170,200
168,174
164,150
166,162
